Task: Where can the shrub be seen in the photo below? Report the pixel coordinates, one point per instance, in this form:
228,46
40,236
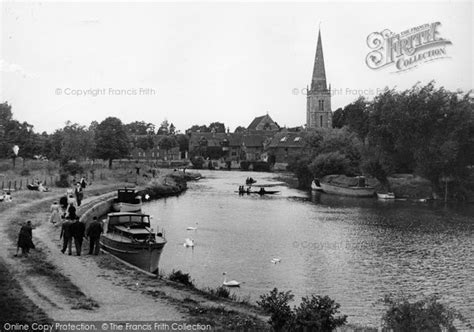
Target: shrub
318,314
276,304
182,278
72,168
424,315
329,163
220,291
25,172
63,181
198,162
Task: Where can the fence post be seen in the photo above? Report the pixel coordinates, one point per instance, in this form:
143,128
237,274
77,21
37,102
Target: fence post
9,185
14,185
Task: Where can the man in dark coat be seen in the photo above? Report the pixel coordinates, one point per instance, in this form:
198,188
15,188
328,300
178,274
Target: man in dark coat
66,235
25,239
78,230
93,232
79,194
71,212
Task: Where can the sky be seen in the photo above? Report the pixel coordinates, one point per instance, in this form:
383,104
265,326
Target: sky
200,62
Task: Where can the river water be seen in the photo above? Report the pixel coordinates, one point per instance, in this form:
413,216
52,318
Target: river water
354,250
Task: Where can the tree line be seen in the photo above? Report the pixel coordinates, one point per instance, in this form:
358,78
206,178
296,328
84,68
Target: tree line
110,139
423,130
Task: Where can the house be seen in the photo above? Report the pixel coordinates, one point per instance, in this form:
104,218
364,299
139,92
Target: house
285,146
156,154
263,123
253,146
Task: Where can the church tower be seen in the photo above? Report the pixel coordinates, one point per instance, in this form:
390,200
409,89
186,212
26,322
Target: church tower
318,105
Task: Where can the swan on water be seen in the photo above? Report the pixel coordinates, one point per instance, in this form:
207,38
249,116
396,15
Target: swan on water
275,260
230,283
190,228
188,242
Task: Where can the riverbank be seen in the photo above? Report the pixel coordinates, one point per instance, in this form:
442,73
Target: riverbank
97,287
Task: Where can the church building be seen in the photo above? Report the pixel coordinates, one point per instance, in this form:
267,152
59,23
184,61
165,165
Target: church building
318,105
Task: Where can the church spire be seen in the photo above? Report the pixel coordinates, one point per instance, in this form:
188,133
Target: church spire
318,81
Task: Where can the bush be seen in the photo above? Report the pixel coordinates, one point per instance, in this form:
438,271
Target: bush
329,163
72,168
424,315
25,172
198,162
220,291
318,314
314,314
182,278
276,304
63,181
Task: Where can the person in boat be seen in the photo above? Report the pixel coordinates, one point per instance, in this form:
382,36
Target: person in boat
93,233
262,191
78,230
55,213
25,239
66,235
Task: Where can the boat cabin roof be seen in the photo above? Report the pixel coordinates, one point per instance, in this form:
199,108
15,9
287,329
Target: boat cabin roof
120,218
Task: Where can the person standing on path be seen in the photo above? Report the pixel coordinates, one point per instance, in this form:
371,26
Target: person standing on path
55,213
93,232
79,194
71,212
25,239
78,230
66,235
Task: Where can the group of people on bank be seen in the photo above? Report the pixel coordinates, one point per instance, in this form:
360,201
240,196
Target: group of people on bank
76,230
64,213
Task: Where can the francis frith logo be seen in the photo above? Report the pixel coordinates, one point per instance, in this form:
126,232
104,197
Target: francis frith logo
407,49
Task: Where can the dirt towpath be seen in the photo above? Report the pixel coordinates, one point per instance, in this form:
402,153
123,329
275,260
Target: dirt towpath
101,299
99,287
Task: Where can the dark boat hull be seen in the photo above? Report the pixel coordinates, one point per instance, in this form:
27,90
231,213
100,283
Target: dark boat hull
145,256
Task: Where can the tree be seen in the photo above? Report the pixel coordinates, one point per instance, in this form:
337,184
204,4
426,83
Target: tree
144,142
277,304
217,127
140,128
426,130
240,130
111,140
338,118
198,129
317,313
183,142
329,163
77,143
167,143
356,116
172,129
164,128
423,315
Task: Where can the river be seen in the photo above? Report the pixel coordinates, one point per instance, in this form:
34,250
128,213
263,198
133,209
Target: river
354,250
